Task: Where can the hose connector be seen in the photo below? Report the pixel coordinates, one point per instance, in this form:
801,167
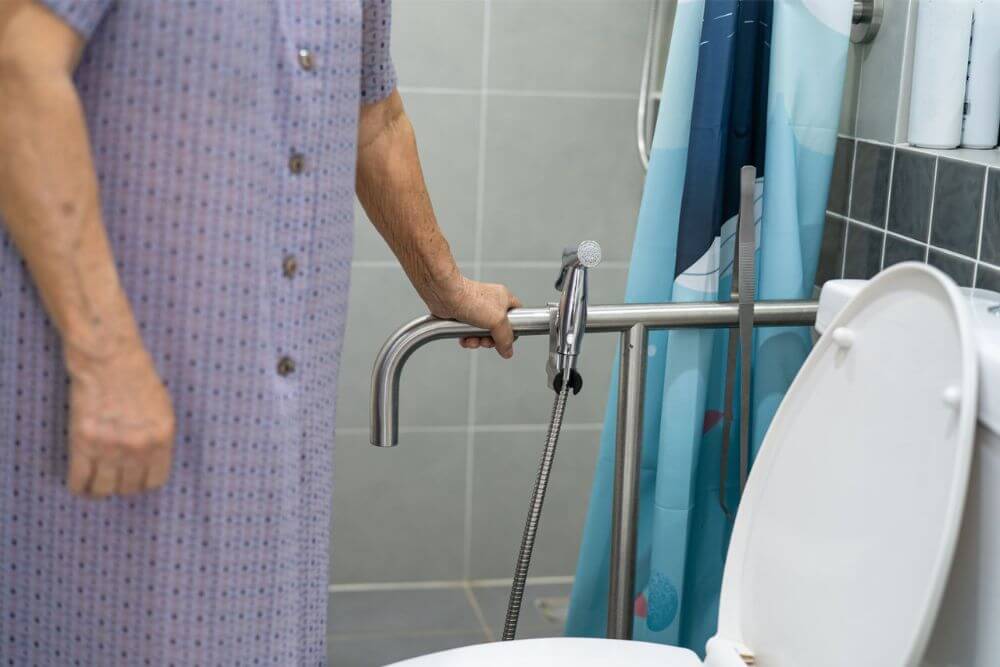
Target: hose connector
569,317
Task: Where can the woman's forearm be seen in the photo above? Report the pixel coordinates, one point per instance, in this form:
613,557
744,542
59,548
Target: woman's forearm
48,189
391,188
390,185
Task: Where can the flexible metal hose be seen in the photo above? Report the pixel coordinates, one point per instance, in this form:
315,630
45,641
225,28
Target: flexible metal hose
534,514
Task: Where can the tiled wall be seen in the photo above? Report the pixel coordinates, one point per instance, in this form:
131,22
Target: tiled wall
890,202
525,116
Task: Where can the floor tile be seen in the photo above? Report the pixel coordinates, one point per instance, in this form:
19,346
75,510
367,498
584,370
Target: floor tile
531,623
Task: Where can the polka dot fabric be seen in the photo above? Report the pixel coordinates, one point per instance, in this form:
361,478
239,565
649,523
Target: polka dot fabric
196,110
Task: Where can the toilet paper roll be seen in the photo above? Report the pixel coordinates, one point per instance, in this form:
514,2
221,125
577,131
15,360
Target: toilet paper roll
940,65
982,91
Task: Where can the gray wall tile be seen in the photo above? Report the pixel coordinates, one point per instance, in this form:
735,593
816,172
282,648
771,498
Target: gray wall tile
447,130
958,198
960,270
401,612
840,178
504,467
899,250
558,171
873,164
514,392
991,220
988,278
864,252
399,513
438,43
910,203
881,69
567,45
434,385
831,253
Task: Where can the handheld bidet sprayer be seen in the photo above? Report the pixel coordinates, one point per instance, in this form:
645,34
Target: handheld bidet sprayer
566,325
570,318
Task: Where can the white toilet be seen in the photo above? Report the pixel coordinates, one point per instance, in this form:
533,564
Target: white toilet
843,548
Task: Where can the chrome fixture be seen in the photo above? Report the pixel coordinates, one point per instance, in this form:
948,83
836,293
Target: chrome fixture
632,322
566,332
866,19
661,22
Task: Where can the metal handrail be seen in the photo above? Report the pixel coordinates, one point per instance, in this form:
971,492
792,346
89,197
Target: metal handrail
642,124
632,321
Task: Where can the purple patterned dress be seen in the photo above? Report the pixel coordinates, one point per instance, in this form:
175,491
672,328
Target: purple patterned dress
224,134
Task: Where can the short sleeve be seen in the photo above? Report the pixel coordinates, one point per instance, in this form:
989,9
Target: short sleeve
82,15
378,76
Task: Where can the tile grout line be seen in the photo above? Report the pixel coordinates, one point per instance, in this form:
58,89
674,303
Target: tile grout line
850,193
477,611
360,636
857,102
945,153
480,428
391,586
930,213
470,418
982,228
924,245
888,207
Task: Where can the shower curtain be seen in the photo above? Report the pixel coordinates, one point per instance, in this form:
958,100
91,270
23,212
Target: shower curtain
752,82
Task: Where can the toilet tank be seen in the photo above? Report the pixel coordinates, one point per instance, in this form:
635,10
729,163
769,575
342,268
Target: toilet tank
965,633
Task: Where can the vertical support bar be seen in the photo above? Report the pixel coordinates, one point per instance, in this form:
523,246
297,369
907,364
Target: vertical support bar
625,510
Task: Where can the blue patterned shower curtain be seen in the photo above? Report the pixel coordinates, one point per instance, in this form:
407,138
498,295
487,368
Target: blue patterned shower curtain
747,82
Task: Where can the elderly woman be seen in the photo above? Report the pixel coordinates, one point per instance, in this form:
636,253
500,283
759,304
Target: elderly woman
177,242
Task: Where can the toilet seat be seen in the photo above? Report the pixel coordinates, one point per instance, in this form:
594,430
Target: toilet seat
873,439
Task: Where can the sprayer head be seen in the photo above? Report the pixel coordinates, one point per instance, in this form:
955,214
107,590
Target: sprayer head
589,254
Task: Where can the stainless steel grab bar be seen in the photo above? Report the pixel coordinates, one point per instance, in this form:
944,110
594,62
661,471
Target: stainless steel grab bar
633,321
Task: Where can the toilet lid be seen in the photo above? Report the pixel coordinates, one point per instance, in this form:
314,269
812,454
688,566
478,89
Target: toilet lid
559,652
848,524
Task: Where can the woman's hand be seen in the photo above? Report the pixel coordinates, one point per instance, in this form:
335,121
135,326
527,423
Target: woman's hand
121,422
482,305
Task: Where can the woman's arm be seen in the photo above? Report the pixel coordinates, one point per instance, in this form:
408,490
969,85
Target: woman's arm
390,185
121,420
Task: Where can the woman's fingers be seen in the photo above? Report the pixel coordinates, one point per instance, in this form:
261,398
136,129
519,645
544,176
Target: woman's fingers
81,469
133,477
159,468
105,480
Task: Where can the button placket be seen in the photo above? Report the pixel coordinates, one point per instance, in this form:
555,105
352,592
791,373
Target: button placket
297,169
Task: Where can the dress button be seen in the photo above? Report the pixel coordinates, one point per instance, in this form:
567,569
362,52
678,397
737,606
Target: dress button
296,163
306,60
286,366
289,266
